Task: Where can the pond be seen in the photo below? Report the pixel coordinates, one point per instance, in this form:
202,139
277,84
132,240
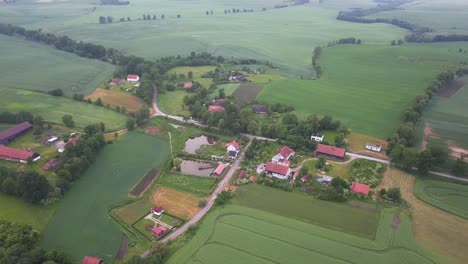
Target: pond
194,144
197,168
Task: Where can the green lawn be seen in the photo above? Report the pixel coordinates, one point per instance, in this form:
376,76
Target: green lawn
235,234
197,71
265,78
448,196
200,186
16,210
229,88
366,87
43,68
302,207
52,108
172,103
81,225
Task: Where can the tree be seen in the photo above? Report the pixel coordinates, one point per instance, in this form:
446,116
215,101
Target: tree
394,194
190,74
98,102
178,16
207,12
223,197
56,92
321,162
130,124
400,42
163,16
424,162
109,19
439,155
202,203
68,121
460,167
141,116
129,19
393,43
339,182
154,17
102,20
290,119
221,94
33,187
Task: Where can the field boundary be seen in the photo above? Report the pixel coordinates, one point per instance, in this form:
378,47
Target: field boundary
146,182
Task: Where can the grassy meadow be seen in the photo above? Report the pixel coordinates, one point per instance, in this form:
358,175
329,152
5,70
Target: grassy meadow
52,108
44,68
366,87
172,103
236,234
81,225
200,186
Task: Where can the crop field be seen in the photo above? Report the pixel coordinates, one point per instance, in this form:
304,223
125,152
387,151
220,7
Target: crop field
197,71
236,234
82,215
366,87
443,233
113,98
52,108
172,103
247,92
64,70
200,186
299,206
448,196
180,204
229,89
445,121
246,35
265,78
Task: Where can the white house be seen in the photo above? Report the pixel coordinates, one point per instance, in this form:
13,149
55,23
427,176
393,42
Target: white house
133,78
157,210
317,137
52,139
372,147
283,155
232,149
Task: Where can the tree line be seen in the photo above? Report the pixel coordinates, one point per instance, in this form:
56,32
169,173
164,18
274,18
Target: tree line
28,185
315,56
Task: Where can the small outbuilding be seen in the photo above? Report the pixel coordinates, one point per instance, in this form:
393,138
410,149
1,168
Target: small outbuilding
215,108
330,152
372,147
188,85
51,164
357,187
283,155
133,78
277,170
159,231
260,109
317,137
157,210
219,170
232,149
18,155
92,260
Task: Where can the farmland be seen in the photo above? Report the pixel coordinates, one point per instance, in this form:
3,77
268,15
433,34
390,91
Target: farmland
242,235
356,86
247,92
65,71
180,204
52,108
201,186
448,196
299,206
172,103
114,99
83,218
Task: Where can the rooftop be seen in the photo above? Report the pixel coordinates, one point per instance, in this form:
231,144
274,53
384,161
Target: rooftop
15,130
331,150
357,187
277,168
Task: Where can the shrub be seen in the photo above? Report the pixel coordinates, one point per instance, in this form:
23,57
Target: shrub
367,172
202,203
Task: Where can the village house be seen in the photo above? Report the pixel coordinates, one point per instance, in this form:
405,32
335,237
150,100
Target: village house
92,260
219,101
61,144
237,78
52,139
277,170
330,152
18,155
372,147
159,231
215,108
317,137
219,170
133,78
51,164
283,155
12,133
116,82
260,109
357,187
232,149
157,210
188,85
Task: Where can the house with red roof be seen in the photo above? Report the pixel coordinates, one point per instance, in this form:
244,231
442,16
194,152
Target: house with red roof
116,81
188,85
157,210
277,170
12,133
215,108
357,187
133,78
18,155
232,149
61,144
283,155
330,152
219,170
51,164
159,231
220,101
92,260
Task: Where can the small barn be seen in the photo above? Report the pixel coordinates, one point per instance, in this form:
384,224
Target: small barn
260,109
51,164
219,170
12,133
18,155
283,155
330,152
357,187
133,78
317,137
372,147
215,108
160,231
92,260
188,85
157,210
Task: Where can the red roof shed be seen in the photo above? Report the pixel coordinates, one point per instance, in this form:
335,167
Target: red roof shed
233,143
8,135
215,108
357,187
92,260
219,170
188,85
158,209
330,151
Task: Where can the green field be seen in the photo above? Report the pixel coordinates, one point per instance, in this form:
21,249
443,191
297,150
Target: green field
299,206
52,108
448,196
201,186
172,103
366,87
81,225
44,68
197,71
236,234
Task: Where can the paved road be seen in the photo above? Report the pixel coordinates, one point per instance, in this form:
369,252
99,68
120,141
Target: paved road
359,156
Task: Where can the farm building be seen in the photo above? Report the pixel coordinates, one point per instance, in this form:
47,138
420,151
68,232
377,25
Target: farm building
260,109
220,101
116,82
215,108
133,78
330,151
232,149
357,187
317,137
283,155
51,164
159,231
18,155
219,170
277,170
92,260
372,147
61,144
52,139
188,85
157,210
13,132
237,78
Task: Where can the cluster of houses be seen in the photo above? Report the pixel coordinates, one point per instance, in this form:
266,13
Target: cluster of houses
160,229
131,78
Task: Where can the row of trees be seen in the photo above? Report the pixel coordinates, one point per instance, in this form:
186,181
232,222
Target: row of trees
236,10
29,185
315,56
109,19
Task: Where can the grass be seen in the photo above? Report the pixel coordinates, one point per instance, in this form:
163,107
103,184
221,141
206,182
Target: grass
235,234
265,78
200,186
52,108
81,225
16,210
65,71
247,92
448,196
172,103
180,204
357,143
334,169
229,89
133,212
301,207
366,87
197,71
113,98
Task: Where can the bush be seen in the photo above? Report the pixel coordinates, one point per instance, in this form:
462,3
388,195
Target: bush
202,203
367,172
394,194
223,197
